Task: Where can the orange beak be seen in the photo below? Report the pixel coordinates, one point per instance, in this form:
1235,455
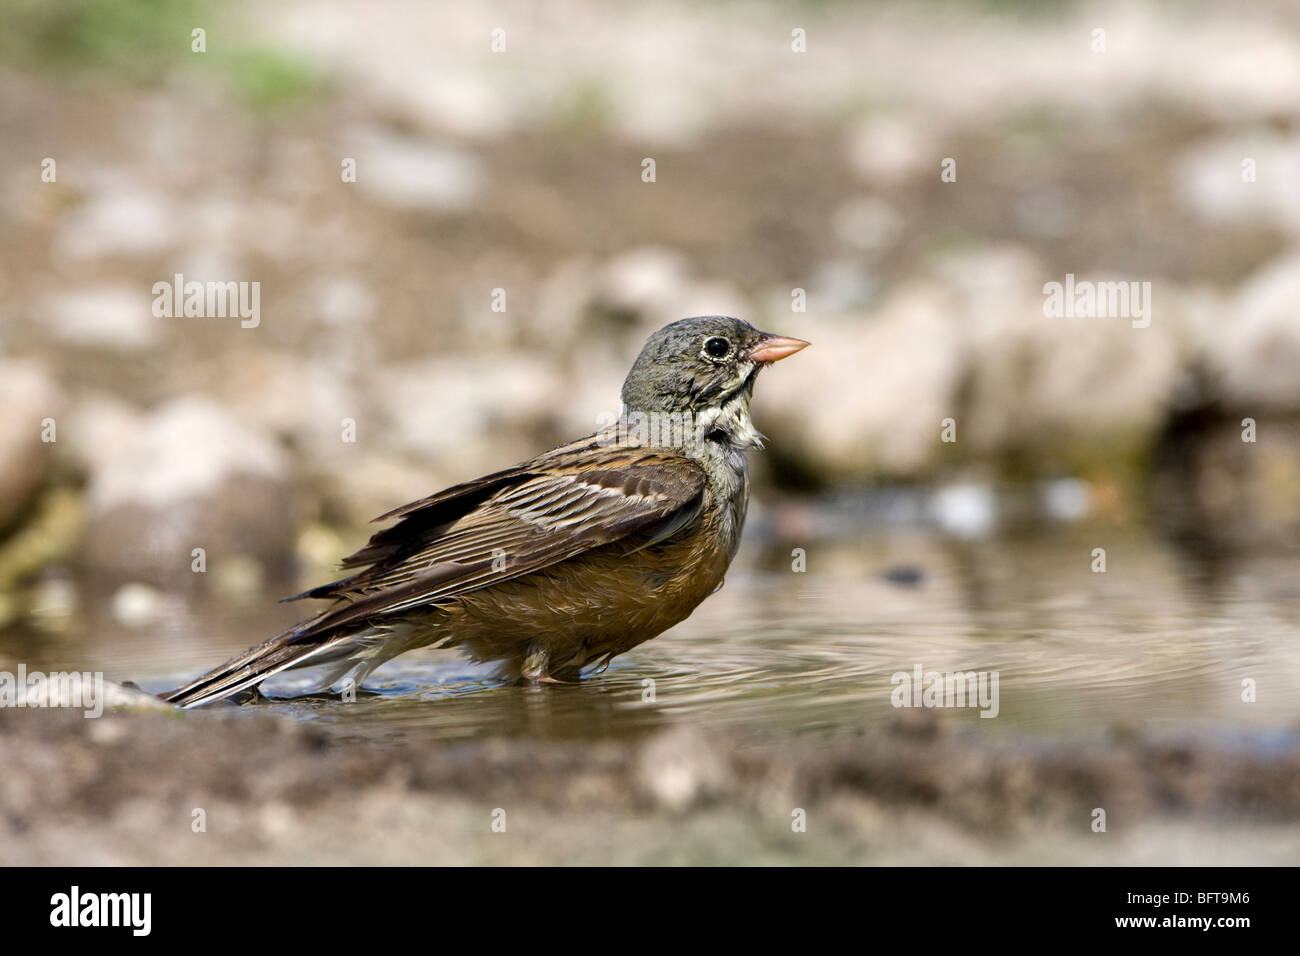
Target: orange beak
773,348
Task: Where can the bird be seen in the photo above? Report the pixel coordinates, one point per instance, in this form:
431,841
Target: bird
564,561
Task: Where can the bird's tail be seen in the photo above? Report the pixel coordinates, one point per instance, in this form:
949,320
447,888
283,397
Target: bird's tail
254,666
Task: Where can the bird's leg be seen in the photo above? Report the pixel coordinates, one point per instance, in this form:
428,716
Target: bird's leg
537,667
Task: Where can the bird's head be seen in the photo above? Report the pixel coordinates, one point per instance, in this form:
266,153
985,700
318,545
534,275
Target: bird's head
704,367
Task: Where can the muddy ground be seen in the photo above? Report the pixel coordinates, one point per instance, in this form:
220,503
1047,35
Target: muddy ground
229,786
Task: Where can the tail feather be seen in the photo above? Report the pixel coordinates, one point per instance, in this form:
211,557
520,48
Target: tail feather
251,668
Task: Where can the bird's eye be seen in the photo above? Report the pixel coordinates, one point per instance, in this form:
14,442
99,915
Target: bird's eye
717,347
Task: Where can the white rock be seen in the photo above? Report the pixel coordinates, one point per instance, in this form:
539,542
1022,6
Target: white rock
464,413
184,450
412,174
119,222
304,400
190,475
1034,379
115,317
97,427
871,391
970,343
1209,179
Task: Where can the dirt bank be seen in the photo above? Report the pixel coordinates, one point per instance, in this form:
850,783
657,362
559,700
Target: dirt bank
133,788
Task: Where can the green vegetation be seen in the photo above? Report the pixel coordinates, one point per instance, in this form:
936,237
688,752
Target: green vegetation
145,41
585,108
136,39
271,80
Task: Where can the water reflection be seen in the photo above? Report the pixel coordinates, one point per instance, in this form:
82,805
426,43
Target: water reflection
1159,640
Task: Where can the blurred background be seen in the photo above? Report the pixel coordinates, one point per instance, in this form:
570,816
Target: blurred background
798,152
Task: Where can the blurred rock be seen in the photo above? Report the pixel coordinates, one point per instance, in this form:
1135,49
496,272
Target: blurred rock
192,475
468,415
126,697
376,482
122,220
463,104
682,768
304,401
1254,346
889,148
82,692
1210,181
411,174
1071,389
872,390
777,170
648,280
562,298
867,223
971,343
112,317
28,396
97,425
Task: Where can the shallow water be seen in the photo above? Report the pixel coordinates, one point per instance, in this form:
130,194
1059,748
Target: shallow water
1160,643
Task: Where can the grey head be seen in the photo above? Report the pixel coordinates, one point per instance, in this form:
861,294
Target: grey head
704,367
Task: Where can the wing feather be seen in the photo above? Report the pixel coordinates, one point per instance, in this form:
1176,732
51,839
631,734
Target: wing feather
508,525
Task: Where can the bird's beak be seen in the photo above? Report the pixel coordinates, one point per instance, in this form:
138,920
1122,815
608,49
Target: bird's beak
773,348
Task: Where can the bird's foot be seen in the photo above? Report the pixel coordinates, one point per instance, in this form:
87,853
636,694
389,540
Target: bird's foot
544,679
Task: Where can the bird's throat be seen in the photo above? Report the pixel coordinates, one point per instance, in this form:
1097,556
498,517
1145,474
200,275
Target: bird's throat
728,425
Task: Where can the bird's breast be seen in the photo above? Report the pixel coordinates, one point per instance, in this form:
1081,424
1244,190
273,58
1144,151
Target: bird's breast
728,486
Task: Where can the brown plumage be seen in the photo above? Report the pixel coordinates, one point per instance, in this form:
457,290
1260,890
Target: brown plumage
563,561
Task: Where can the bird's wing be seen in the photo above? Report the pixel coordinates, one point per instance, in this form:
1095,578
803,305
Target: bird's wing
557,506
